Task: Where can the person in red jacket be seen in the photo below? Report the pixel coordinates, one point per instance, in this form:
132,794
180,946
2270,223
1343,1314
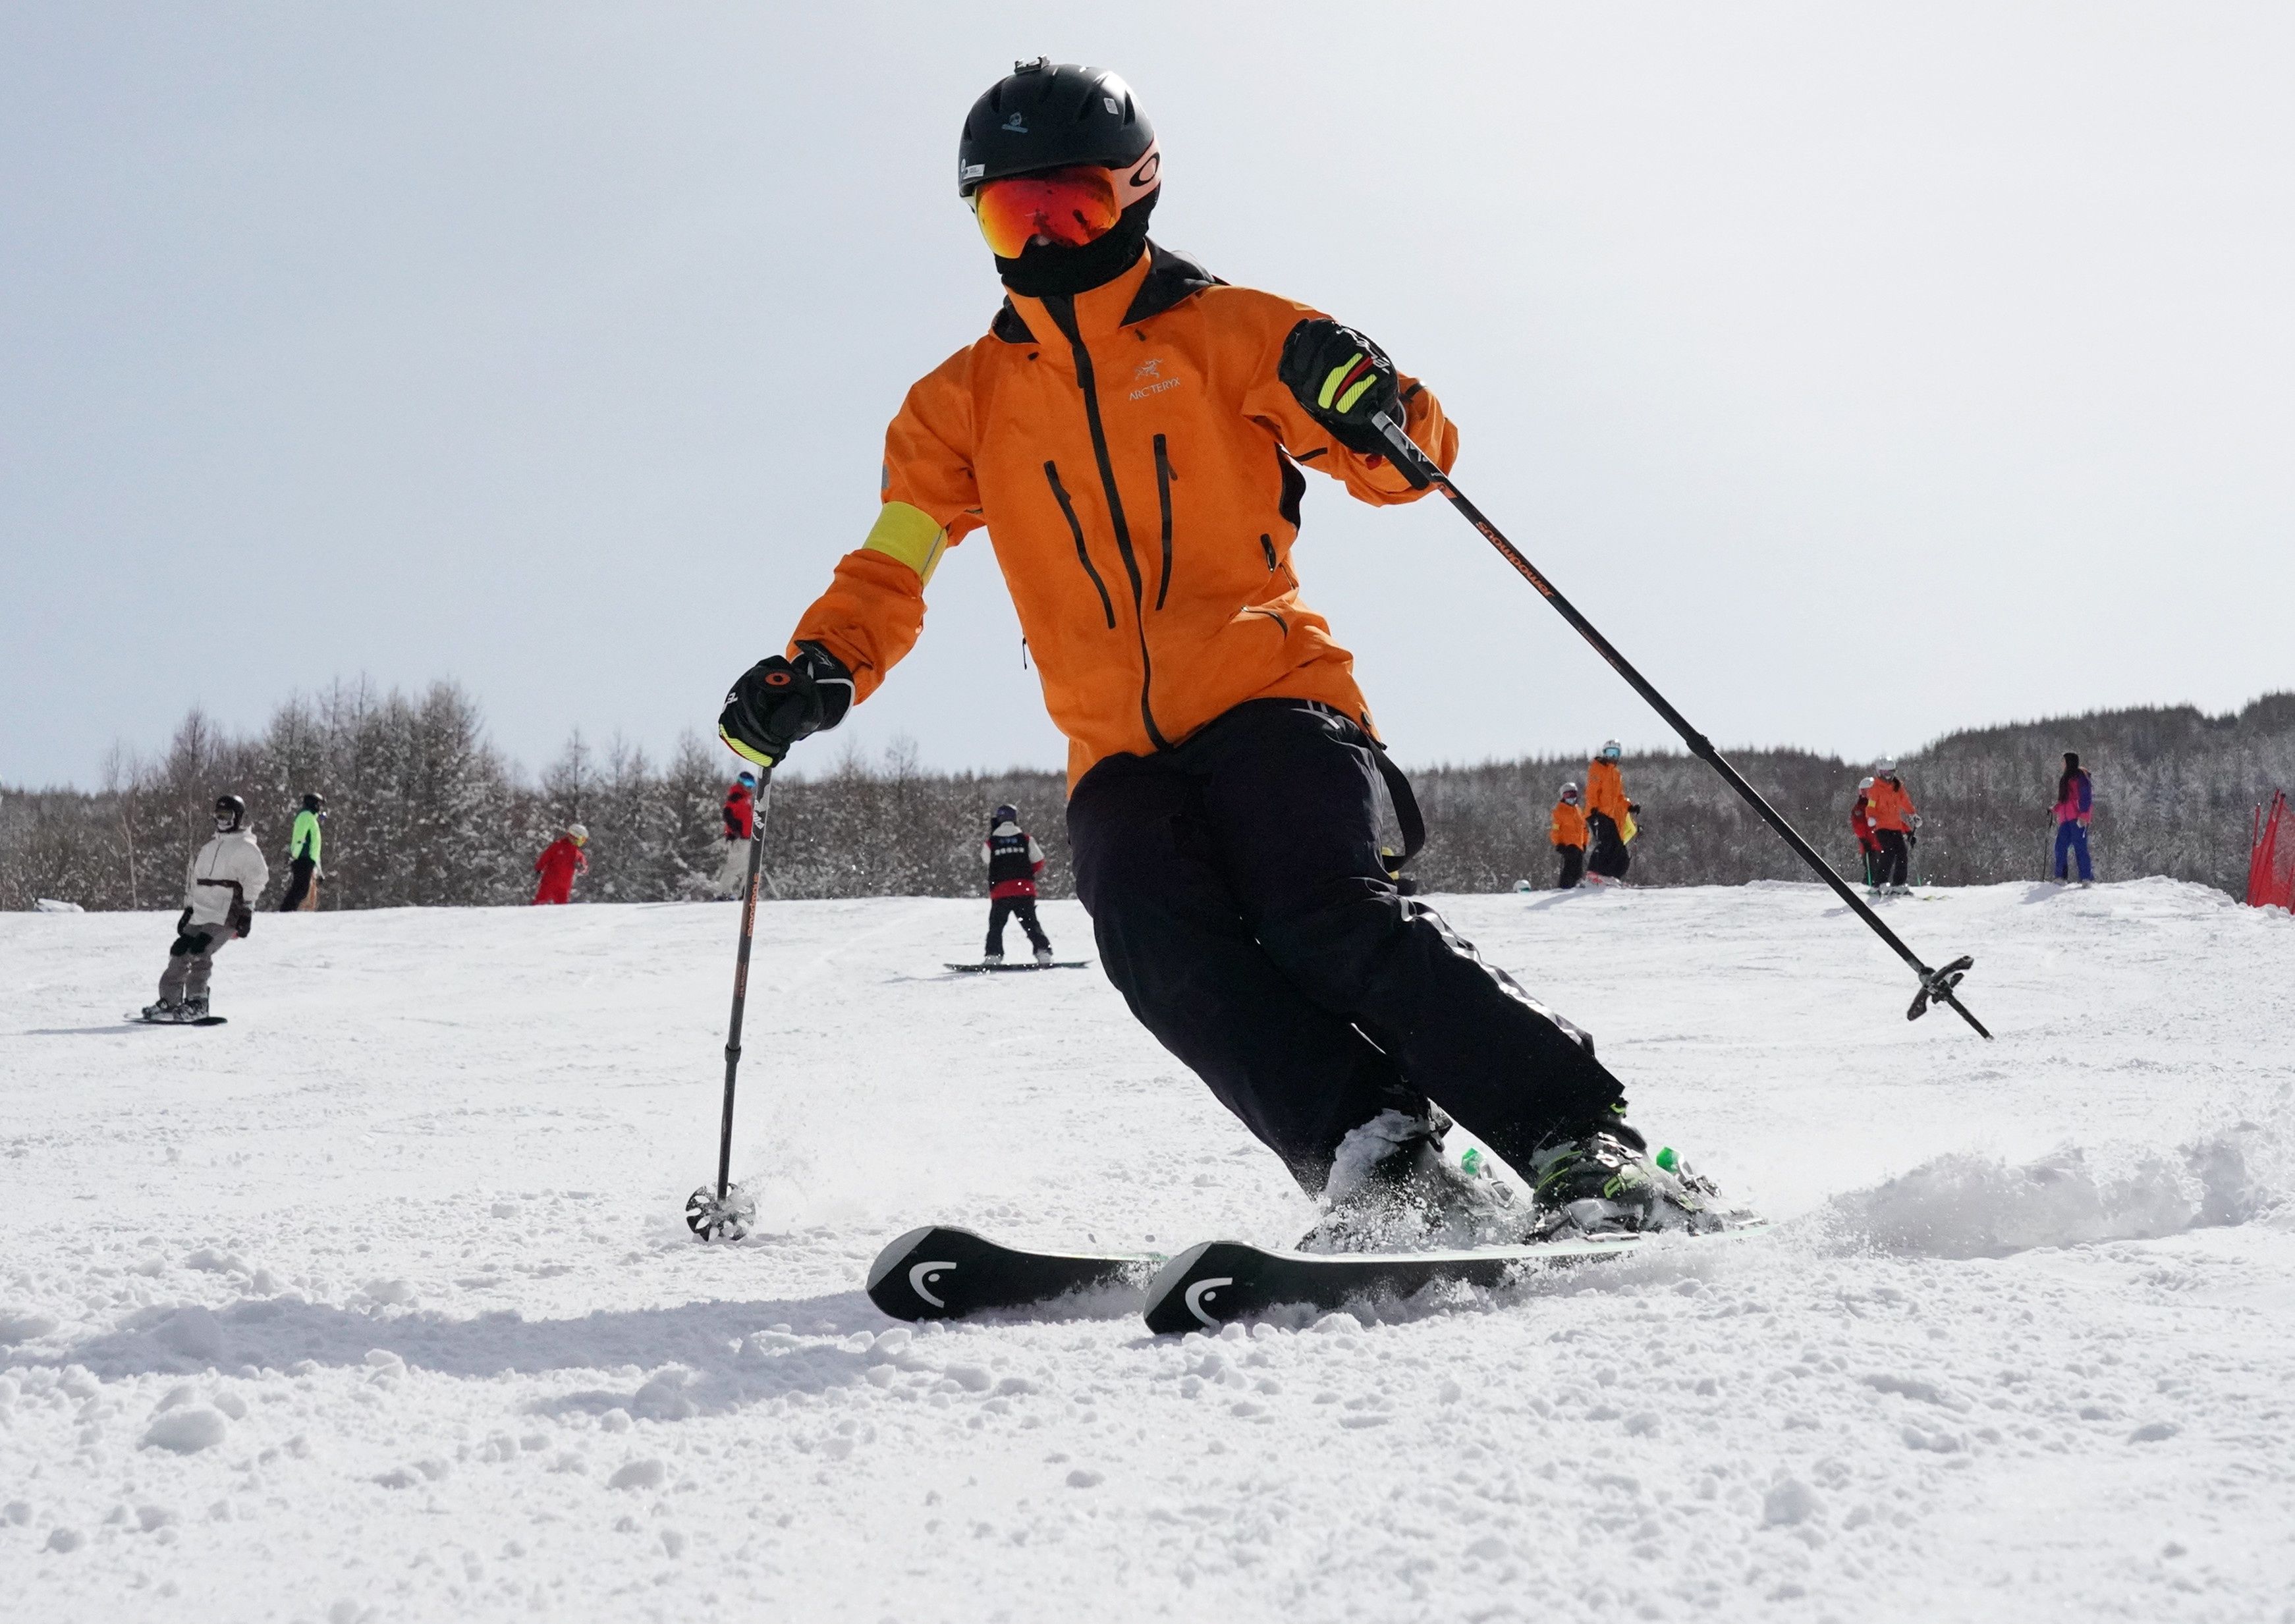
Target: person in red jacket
560,860
741,823
1869,842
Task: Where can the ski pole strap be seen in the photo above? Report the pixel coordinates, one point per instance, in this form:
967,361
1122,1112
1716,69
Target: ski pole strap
1406,803
1407,815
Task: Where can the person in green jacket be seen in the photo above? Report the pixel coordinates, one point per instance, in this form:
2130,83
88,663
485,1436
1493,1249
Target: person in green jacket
302,857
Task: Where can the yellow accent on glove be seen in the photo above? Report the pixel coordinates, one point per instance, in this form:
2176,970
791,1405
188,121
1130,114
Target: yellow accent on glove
910,535
742,750
1332,380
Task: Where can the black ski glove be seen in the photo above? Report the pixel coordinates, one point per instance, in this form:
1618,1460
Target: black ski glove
184,923
778,701
1343,379
241,919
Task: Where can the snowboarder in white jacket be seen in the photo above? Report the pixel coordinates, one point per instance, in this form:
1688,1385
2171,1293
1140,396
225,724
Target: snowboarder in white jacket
219,896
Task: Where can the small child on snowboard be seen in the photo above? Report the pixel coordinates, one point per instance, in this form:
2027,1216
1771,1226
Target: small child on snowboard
1014,860
219,896
1868,838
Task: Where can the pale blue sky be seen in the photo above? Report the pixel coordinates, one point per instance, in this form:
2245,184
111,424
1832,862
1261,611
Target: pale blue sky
1864,372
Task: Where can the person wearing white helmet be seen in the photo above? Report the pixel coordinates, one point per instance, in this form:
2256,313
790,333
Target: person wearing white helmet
1567,831
1869,843
1607,814
560,860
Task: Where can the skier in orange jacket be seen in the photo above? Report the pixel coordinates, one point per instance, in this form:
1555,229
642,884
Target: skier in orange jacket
1134,434
1893,819
1567,831
1606,812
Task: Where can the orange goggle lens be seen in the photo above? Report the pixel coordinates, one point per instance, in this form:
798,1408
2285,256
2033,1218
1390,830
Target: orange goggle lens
1072,206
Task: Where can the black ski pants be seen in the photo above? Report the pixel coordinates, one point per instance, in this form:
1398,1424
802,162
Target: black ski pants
1573,866
1606,848
1240,907
1020,908
299,886
1888,866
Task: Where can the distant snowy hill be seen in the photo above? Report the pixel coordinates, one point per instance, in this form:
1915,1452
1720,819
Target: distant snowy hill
375,1304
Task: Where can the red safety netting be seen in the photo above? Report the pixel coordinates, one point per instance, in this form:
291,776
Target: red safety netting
2271,859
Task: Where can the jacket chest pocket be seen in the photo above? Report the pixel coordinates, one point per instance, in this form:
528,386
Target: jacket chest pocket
1083,553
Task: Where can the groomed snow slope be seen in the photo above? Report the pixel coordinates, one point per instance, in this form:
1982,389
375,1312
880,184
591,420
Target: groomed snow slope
376,1303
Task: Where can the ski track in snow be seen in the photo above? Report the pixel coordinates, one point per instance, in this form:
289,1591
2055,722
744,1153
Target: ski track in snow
376,1303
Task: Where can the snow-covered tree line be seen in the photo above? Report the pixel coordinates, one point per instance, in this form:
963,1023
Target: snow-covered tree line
423,812
2174,789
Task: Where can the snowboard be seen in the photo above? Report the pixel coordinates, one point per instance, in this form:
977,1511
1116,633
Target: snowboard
939,1272
1058,964
1207,1286
136,1016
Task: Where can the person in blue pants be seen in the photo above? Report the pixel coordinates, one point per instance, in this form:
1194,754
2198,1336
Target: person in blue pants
2075,803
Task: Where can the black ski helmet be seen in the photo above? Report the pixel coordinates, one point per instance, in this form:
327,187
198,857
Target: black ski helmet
1046,115
232,808
313,801
1005,814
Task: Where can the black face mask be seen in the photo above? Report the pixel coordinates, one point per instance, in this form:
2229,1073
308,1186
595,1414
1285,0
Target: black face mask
1046,268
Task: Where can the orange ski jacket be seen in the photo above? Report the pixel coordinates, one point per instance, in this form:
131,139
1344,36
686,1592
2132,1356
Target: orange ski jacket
1888,806
1606,790
1136,465
1569,825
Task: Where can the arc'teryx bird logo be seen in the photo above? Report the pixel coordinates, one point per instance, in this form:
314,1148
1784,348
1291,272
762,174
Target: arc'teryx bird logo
1149,376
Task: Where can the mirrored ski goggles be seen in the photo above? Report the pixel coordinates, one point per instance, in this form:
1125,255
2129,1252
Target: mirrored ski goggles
1072,206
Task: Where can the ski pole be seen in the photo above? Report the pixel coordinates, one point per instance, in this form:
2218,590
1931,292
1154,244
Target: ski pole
1935,985
725,1213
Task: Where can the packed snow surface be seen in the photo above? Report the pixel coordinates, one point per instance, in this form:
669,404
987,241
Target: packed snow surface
376,1303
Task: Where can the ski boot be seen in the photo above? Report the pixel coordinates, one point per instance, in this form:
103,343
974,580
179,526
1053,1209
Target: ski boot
194,1007
1393,1188
1602,1180
163,1010
1044,957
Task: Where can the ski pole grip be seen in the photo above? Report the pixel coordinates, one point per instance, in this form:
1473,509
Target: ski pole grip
1404,452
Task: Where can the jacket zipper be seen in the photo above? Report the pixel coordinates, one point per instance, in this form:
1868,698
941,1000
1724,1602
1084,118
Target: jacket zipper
1083,554
1063,308
1163,478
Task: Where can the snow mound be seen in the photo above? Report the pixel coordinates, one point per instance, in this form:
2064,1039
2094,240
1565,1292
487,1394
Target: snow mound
1967,1205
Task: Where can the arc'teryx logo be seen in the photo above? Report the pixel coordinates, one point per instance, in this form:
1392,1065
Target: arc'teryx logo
1149,376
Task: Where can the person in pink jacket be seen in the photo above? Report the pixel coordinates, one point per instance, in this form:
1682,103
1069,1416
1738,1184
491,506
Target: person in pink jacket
2075,805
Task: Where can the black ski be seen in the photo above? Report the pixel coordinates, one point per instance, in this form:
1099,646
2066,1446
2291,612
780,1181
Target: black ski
943,1273
141,1019
1209,1284
978,969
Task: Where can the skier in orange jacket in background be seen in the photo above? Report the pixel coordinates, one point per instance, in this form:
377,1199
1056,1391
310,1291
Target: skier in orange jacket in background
1134,433
1606,811
1567,831
1891,810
